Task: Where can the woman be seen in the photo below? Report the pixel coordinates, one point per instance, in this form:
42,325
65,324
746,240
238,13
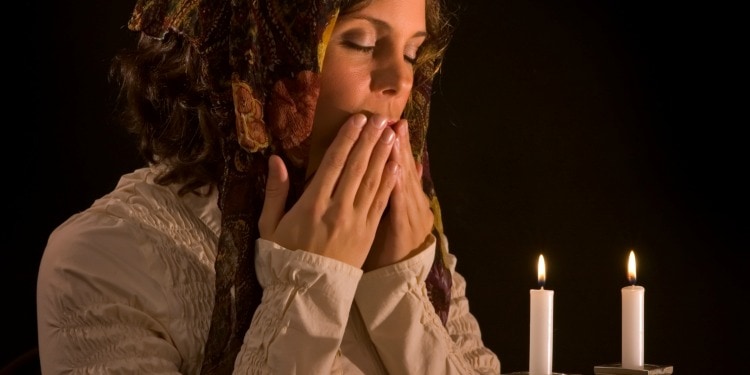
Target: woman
283,224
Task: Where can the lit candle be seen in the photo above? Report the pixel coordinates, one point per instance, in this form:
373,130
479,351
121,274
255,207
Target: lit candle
632,320
540,325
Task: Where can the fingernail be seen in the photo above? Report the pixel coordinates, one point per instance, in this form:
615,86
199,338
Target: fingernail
379,121
359,120
388,136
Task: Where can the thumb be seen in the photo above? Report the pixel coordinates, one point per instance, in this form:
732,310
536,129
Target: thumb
277,188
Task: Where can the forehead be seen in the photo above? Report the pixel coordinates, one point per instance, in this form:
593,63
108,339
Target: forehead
394,13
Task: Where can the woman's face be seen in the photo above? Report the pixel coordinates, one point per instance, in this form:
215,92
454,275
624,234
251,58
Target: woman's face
368,67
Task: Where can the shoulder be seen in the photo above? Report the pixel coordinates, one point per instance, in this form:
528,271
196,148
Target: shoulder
104,239
137,221
114,219
139,204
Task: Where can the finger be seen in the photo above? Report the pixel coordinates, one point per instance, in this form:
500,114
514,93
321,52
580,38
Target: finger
406,158
372,179
277,188
413,203
335,157
390,175
360,157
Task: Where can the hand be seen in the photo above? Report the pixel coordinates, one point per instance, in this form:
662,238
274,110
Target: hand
409,220
338,214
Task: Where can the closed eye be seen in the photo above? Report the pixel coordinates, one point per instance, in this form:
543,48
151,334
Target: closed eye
370,49
410,60
357,47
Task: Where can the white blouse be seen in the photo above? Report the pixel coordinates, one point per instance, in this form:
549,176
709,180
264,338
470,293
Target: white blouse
127,286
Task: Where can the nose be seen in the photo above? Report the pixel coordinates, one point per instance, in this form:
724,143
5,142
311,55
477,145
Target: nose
393,75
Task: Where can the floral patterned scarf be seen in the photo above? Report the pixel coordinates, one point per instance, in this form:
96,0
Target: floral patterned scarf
275,50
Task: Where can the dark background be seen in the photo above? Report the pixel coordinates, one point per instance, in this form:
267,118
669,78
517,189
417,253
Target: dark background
575,129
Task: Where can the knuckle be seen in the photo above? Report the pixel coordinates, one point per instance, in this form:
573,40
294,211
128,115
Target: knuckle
379,204
351,136
335,215
358,168
337,160
316,209
273,191
369,185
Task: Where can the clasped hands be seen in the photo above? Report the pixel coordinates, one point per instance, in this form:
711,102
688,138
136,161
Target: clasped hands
342,212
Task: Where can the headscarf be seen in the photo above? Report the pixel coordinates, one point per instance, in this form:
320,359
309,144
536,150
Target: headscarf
275,50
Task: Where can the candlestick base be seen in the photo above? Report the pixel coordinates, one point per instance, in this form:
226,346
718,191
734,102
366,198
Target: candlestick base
617,369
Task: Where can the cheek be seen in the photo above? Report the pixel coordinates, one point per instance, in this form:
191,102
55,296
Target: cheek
329,113
343,91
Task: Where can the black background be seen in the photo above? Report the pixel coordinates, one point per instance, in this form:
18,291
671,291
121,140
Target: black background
579,130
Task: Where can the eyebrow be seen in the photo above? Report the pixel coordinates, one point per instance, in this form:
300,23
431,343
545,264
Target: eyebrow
382,24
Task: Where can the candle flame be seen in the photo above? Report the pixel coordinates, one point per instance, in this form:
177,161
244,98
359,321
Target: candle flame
631,268
541,272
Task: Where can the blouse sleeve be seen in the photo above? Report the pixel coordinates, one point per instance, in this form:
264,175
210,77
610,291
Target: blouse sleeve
300,322
408,334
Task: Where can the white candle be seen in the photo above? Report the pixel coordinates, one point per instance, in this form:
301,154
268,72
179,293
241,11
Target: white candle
632,320
540,325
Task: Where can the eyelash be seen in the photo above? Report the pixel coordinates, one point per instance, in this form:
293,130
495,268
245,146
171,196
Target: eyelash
370,49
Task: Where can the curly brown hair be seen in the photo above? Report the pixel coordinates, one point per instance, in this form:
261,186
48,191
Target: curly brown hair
175,114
